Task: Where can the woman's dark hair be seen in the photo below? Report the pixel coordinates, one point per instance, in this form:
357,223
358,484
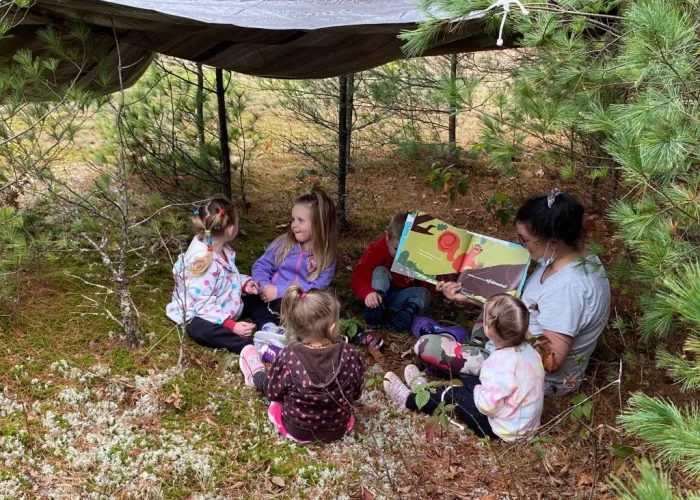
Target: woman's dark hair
563,220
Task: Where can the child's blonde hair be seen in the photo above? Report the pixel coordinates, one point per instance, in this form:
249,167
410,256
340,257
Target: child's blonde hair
507,317
211,219
308,316
324,232
395,228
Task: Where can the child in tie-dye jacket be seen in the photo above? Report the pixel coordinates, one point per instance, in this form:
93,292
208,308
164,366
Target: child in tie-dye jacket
506,400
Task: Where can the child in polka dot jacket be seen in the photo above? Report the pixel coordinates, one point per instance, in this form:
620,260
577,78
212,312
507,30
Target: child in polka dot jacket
210,293
314,381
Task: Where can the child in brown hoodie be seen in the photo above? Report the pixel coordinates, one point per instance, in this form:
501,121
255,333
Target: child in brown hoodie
314,381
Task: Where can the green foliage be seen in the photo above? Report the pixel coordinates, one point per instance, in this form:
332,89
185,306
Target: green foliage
349,327
583,408
501,206
174,150
652,483
674,432
684,370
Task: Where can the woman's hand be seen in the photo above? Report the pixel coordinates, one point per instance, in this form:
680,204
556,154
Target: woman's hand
243,328
269,293
451,289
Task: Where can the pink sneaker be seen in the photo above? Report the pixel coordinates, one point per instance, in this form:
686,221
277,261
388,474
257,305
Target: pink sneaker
413,378
397,390
250,364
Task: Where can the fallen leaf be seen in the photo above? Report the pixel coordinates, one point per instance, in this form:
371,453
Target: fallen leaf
238,485
366,494
175,398
585,480
278,481
375,354
488,497
621,470
406,489
268,485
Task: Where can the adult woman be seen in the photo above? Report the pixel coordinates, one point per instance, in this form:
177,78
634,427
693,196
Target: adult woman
568,296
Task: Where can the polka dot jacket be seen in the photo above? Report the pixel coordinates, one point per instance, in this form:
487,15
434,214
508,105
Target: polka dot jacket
317,389
213,296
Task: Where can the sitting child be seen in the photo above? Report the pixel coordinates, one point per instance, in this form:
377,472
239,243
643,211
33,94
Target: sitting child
306,255
379,288
314,381
508,401
210,294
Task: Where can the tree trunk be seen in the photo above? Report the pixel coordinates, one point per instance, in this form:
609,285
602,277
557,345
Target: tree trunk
120,276
200,105
343,140
452,127
223,135
350,116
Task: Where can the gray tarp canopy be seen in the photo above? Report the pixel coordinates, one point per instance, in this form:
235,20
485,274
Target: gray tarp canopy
270,38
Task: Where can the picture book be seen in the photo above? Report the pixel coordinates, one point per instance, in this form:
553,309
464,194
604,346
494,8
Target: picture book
432,250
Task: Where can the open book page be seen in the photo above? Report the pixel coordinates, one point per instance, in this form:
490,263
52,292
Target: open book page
492,266
430,248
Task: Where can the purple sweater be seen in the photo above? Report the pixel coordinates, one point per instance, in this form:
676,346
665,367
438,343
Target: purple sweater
296,268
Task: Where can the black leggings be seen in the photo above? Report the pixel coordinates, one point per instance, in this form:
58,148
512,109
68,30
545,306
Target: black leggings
465,409
210,334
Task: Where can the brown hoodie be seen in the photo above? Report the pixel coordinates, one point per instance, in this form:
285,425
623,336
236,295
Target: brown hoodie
317,388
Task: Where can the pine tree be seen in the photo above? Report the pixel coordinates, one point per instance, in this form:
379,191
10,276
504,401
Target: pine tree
39,120
611,88
172,132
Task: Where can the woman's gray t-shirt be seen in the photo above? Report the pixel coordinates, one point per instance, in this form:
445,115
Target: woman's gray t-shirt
575,301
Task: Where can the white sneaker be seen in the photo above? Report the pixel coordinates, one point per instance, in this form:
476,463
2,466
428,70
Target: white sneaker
413,378
276,337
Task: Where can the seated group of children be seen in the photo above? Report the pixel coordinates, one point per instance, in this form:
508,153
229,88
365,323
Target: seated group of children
315,375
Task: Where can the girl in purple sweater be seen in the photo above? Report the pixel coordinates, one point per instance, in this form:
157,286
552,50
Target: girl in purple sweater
305,255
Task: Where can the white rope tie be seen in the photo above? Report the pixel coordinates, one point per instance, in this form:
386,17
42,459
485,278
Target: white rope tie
506,9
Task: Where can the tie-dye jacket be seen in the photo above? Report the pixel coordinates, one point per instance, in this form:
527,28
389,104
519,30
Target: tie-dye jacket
511,393
213,296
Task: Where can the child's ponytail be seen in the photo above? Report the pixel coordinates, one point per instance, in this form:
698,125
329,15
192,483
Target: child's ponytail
308,316
211,219
507,317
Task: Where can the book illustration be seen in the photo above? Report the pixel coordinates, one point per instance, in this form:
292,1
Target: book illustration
432,250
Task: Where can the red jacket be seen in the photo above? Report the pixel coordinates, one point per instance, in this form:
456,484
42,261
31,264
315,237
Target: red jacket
377,254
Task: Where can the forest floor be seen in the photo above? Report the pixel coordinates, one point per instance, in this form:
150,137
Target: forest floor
81,415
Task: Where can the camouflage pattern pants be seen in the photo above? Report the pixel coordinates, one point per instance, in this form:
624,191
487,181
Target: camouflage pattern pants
449,355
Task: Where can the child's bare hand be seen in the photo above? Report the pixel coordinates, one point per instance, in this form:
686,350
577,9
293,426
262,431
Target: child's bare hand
269,293
250,287
243,328
373,300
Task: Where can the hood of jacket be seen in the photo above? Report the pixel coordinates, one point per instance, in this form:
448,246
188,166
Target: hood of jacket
322,365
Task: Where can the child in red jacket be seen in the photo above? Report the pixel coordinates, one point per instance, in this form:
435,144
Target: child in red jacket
380,289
